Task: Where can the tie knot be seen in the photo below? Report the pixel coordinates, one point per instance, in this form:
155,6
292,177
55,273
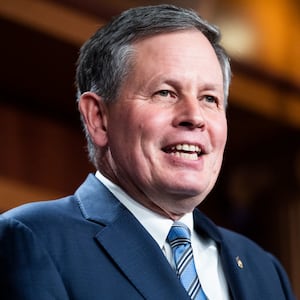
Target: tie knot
179,234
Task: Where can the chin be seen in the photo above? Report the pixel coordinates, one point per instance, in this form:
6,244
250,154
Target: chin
189,195
182,207
192,190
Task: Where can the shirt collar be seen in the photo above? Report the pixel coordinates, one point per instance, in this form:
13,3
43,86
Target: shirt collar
157,226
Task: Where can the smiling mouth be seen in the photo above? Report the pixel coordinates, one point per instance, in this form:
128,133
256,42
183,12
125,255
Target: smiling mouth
186,151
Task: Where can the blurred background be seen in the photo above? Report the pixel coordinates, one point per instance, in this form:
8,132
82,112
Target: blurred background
42,152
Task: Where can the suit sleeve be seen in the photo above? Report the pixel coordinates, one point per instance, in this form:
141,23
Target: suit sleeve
26,270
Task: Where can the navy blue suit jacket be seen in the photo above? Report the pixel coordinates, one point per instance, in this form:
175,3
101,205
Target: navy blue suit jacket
88,246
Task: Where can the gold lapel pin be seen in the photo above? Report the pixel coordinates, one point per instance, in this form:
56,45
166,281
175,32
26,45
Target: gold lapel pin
239,262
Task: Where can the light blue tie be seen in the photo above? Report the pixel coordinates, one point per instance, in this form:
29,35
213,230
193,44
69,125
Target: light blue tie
179,239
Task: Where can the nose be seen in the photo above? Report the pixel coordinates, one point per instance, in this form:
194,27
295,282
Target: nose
189,114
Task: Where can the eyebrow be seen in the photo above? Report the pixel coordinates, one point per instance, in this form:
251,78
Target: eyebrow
204,86
210,86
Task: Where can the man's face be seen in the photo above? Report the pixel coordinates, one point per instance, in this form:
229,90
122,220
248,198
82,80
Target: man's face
167,130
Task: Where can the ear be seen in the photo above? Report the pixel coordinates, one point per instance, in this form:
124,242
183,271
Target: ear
94,113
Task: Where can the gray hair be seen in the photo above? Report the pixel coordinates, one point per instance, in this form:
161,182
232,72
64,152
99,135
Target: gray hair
106,58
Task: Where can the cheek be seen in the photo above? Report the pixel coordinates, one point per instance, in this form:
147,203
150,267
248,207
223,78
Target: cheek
218,140
126,137
138,130
218,133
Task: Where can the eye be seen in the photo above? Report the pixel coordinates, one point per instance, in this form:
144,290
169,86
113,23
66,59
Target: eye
165,93
165,96
210,99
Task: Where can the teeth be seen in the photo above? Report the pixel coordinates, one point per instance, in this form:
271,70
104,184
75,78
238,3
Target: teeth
186,151
186,147
191,156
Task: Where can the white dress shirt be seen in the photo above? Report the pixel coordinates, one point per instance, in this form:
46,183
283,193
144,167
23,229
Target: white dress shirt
206,256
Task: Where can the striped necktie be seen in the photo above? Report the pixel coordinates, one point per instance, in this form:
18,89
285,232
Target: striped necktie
180,242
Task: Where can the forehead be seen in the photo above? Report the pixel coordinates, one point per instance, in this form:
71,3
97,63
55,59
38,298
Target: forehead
182,53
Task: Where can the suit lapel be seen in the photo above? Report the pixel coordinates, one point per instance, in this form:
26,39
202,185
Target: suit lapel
238,275
128,244
233,273
206,227
140,259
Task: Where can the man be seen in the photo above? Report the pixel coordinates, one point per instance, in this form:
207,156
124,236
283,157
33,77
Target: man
152,92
